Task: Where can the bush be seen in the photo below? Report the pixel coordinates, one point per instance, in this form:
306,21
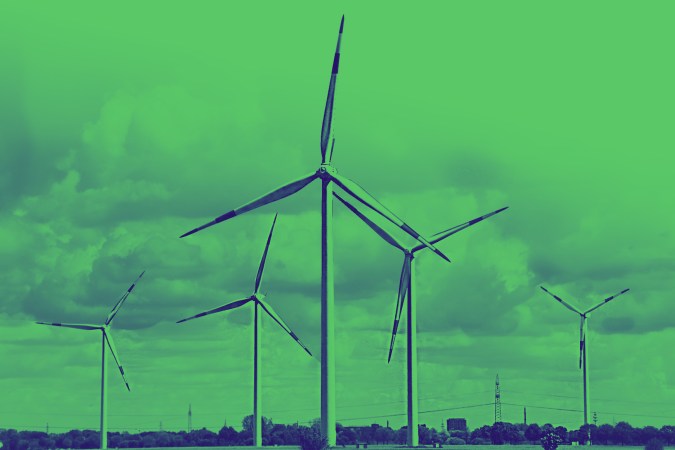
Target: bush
654,444
456,441
480,441
311,439
550,441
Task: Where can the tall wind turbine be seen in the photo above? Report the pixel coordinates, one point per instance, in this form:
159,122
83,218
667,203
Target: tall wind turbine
583,353
406,286
258,300
106,339
328,175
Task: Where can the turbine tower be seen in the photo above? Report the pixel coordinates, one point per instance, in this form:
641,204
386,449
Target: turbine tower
328,176
406,287
106,339
583,354
189,418
258,303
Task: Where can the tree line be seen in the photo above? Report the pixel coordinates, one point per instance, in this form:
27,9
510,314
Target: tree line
279,434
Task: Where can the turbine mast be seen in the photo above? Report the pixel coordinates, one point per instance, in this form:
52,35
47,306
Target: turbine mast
327,315
585,375
257,419
413,427
104,395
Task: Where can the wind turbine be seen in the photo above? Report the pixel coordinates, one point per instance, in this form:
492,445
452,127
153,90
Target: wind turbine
258,300
406,286
583,355
106,339
328,175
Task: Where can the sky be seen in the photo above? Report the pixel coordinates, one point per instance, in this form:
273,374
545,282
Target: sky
122,128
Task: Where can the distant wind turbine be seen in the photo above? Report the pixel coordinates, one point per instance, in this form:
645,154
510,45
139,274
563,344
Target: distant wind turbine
583,355
328,175
258,300
407,286
106,338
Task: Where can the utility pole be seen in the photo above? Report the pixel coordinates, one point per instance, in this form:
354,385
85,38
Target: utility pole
525,415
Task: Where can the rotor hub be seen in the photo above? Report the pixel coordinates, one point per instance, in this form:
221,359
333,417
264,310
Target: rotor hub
326,170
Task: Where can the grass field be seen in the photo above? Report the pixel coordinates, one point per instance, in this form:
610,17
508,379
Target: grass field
393,447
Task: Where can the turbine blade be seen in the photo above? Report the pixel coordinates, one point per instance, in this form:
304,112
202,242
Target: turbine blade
270,311
258,277
457,228
567,305
582,340
113,350
235,304
328,111
364,197
400,302
121,301
608,299
79,326
383,234
277,194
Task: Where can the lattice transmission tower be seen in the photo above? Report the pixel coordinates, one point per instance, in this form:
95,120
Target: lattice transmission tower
498,402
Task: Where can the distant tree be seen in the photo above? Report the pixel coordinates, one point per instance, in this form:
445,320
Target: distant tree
311,439
648,433
562,433
148,440
550,440
654,444
498,433
425,435
623,434
581,435
384,435
667,434
346,436
512,434
533,433
482,434
603,435
401,436
461,434
228,436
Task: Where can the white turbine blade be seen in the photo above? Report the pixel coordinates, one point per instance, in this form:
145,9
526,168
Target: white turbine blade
258,277
383,234
403,285
79,326
277,194
582,340
121,301
328,111
567,305
269,310
457,228
113,350
364,197
608,299
235,304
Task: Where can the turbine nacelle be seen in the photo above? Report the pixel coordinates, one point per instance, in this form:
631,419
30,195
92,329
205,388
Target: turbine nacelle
326,171
258,296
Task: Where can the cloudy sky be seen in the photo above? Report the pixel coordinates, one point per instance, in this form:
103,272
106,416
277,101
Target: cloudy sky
123,127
